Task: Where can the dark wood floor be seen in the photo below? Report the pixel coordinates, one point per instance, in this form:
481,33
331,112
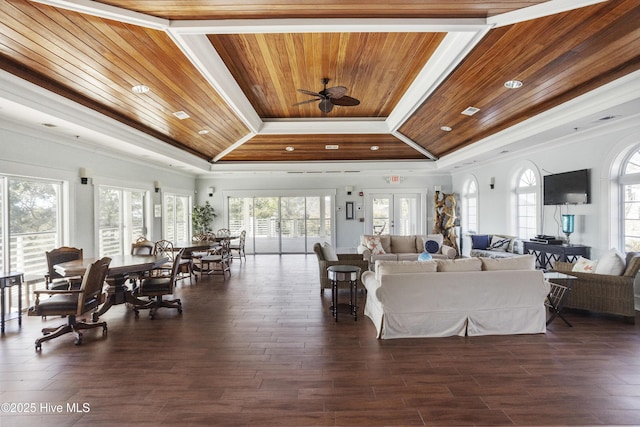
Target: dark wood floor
261,349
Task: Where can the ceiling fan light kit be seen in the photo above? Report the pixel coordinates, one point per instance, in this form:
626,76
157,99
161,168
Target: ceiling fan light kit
329,97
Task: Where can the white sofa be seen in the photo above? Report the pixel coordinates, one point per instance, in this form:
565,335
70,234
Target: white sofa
468,296
400,248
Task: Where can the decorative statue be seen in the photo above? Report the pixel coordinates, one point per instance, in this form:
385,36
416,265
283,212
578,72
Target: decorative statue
445,218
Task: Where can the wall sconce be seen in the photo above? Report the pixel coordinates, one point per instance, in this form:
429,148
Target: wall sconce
348,190
492,182
437,188
84,176
156,186
211,190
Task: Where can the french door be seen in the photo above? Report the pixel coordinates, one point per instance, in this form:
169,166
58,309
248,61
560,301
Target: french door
281,224
394,213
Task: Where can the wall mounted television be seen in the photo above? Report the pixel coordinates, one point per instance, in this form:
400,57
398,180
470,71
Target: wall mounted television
567,188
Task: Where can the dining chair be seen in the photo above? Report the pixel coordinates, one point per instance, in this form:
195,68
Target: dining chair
142,246
52,279
223,232
158,286
73,303
218,260
238,246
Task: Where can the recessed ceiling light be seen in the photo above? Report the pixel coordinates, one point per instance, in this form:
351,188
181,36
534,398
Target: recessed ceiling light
331,147
289,148
513,84
181,115
445,128
374,148
203,132
470,111
140,89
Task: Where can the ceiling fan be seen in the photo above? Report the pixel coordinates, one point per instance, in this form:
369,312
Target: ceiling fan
329,97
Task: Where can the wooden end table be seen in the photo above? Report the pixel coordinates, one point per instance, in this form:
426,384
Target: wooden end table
344,273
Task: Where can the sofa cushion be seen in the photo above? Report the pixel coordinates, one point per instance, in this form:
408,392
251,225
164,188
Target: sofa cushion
584,265
328,253
460,264
633,265
411,256
611,263
395,267
500,243
403,244
422,240
479,241
374,244
520,262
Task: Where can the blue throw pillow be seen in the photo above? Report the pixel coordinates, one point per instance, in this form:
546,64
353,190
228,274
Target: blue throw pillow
425,256
479,241
431,246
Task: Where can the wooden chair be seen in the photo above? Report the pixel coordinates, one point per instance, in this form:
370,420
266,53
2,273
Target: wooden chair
142,246
73,303
223,232
158,286
238,246
218,259
165,248
52,279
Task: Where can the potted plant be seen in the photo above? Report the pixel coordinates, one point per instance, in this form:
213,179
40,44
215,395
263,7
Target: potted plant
202,217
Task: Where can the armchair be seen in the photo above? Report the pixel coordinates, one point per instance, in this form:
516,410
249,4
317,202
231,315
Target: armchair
73,303
326,260
52,279
158,286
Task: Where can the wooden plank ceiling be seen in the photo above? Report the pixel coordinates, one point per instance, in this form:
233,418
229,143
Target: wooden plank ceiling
238,84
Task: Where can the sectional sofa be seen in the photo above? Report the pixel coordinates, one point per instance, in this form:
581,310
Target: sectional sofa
465,297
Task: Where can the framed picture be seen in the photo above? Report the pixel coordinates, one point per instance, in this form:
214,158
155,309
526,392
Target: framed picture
350,213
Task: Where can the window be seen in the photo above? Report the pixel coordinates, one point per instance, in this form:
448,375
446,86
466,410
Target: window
123,214
527,196
177,217
630,188
470,206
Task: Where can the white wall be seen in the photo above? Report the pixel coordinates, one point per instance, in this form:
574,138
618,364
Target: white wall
30,154
595,150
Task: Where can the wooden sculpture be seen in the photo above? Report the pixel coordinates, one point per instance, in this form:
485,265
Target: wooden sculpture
445,218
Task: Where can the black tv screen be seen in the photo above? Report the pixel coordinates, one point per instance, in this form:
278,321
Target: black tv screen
567,188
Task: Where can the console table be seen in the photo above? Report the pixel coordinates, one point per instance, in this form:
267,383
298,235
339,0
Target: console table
546,255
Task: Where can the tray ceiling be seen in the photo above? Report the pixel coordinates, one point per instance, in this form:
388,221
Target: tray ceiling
234,69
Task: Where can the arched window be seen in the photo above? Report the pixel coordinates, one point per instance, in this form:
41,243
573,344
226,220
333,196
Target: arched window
470,206
526,203
630,191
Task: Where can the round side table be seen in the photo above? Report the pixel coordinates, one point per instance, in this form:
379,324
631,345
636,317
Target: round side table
344,273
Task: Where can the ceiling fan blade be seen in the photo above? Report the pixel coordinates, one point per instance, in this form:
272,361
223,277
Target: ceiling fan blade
335,92
325,106
306,102
346,101
308,92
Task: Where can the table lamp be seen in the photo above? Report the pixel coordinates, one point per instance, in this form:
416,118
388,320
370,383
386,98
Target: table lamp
568,225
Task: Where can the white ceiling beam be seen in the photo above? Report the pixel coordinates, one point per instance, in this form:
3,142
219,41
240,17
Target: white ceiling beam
106,11
328,25
540,10
324,126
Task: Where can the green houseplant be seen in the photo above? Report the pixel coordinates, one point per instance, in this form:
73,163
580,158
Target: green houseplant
202,217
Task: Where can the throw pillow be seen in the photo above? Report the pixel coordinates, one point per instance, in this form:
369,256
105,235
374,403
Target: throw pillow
328,252
431,246
584,265
499,244
374,244
611,263
479,241
520,262
425,256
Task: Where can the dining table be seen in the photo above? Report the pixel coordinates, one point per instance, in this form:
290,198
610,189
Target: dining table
120,268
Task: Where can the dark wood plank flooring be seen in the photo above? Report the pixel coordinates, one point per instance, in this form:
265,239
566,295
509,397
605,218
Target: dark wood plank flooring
261,349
